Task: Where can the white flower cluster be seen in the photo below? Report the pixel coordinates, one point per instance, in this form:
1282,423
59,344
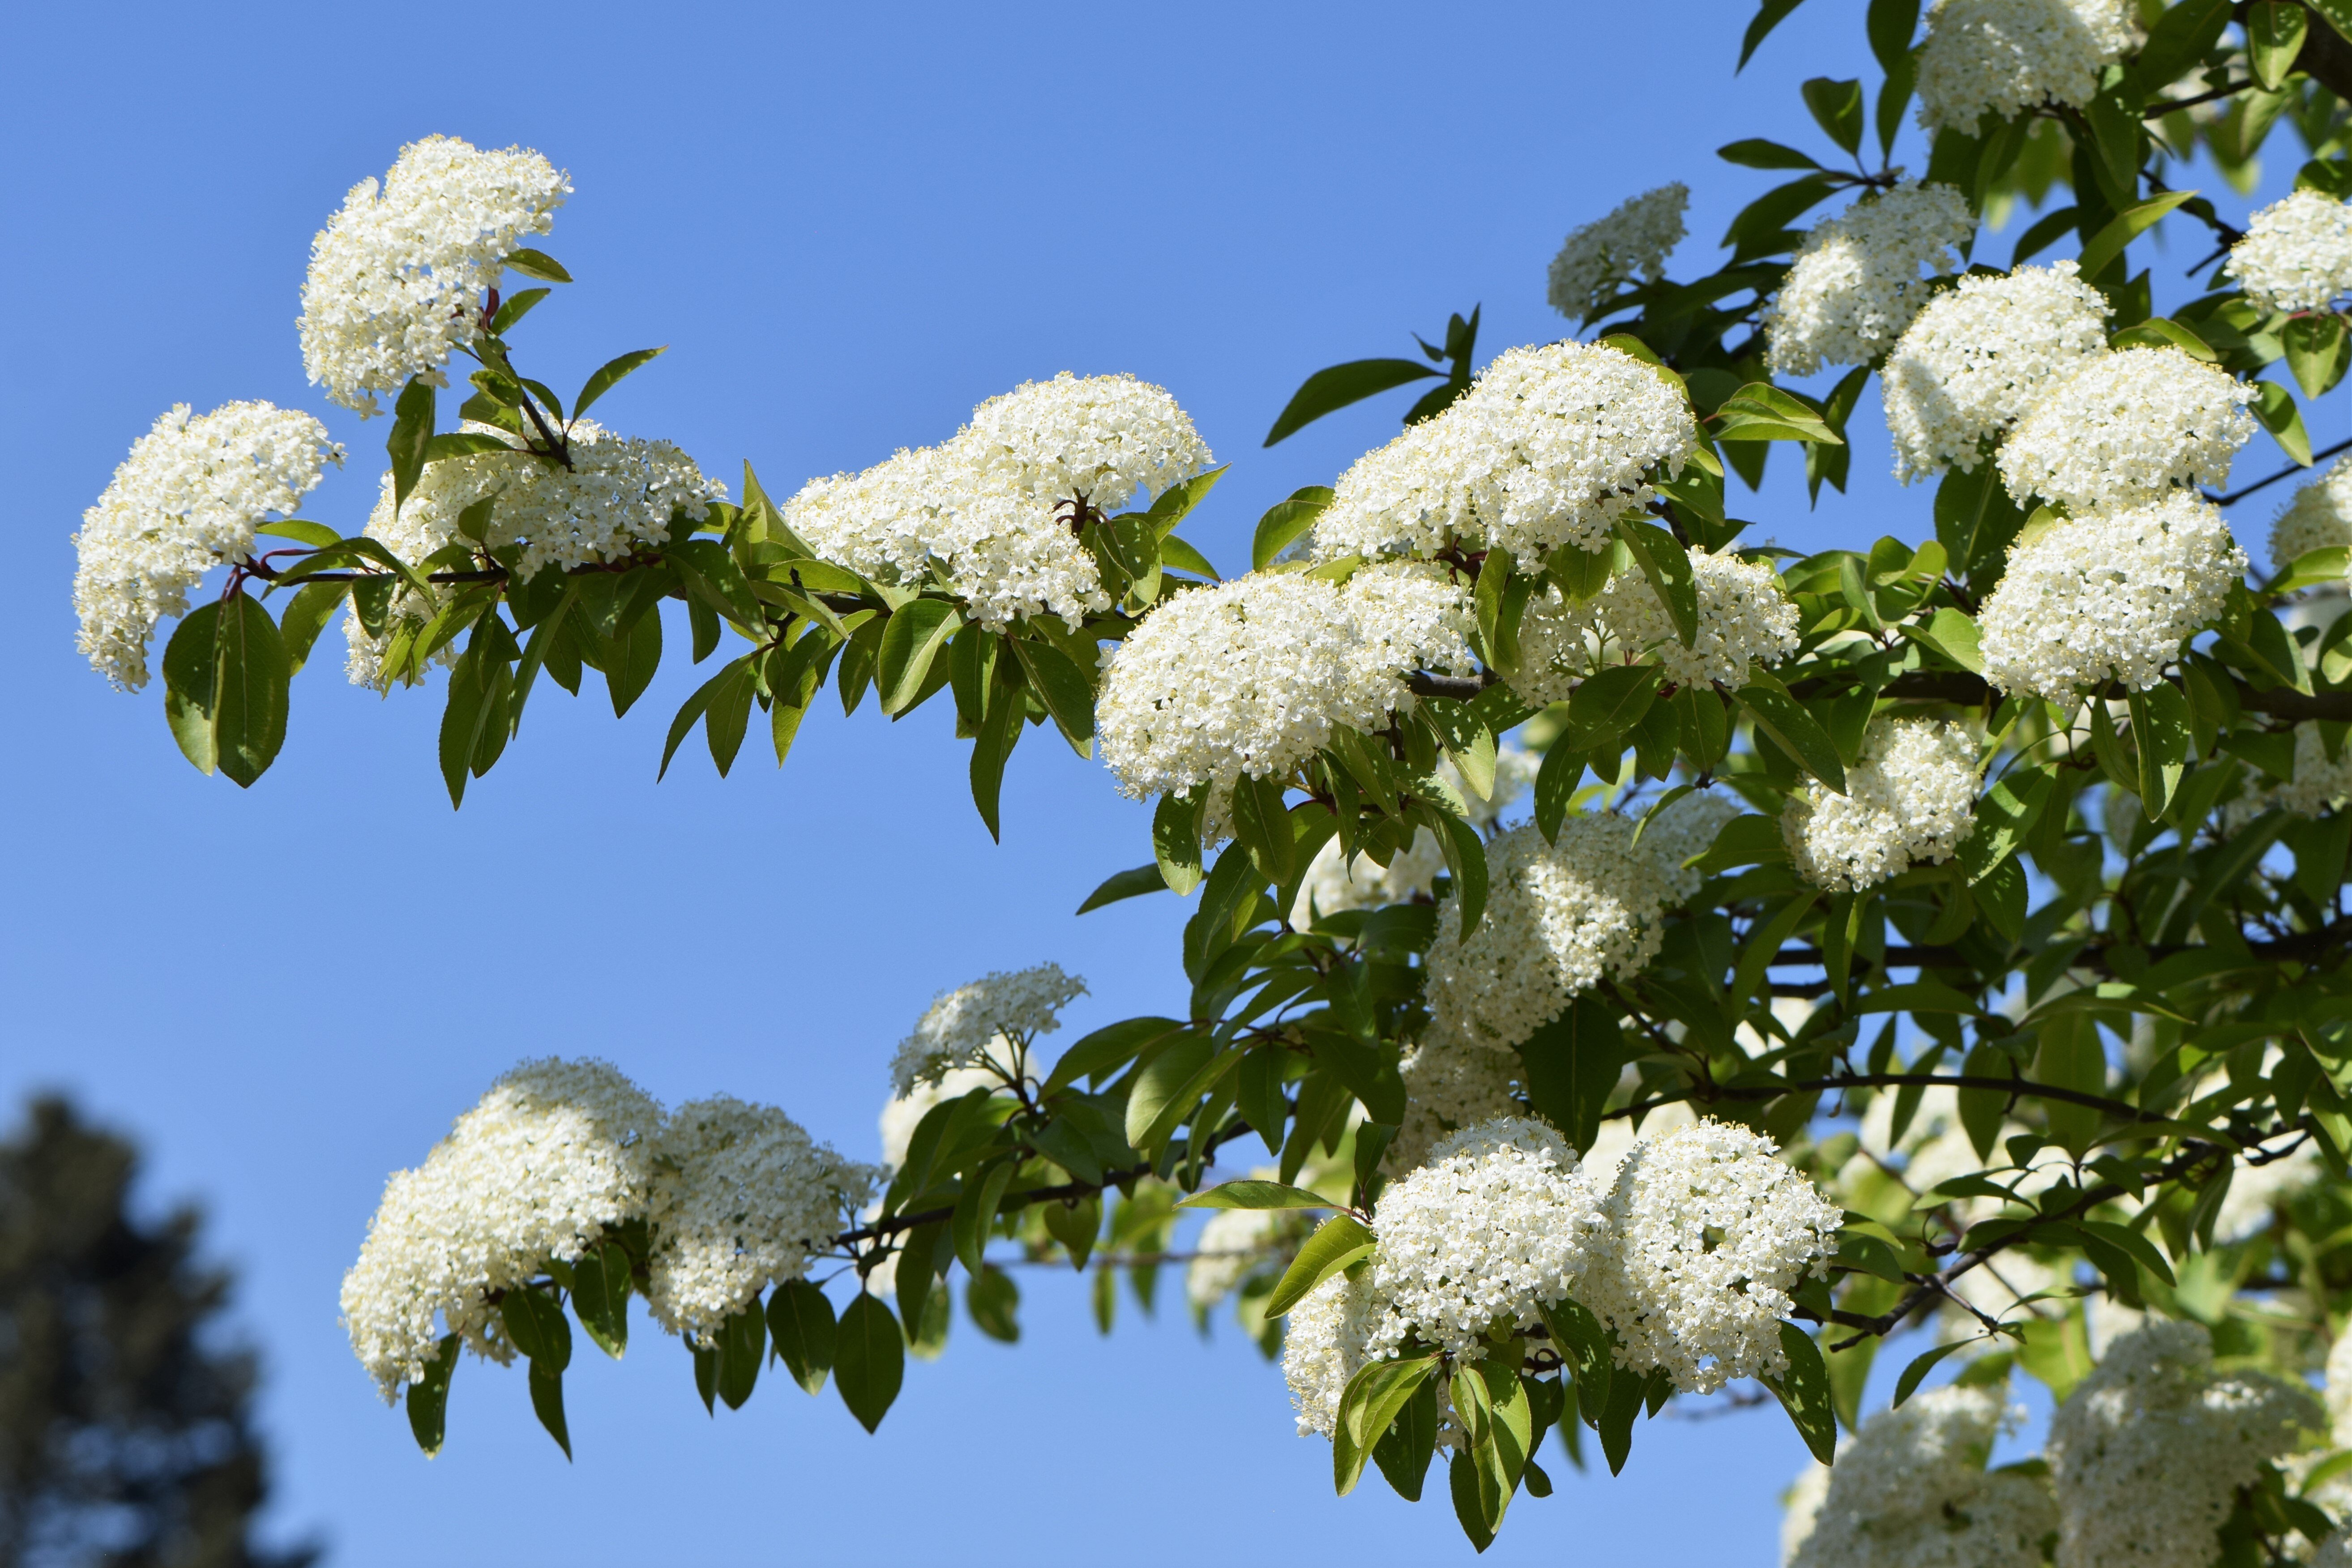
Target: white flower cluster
990,508
2109,596
1745,617
620,493
2319,516
2319,785
742,1197
186,499
1633,240
1855,285
1252,676
1909,801
1494,1226
1449,1084
554,1157
1978,357
1911,1491
2148,1450
556,1153
1558,919
2127,426
2296,254
1548,448
398,277
1708,1310
2003,56
961,1027
1323,1346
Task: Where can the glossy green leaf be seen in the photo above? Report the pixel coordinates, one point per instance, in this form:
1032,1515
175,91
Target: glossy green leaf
547,1403
1836,108
1253,1195
915,636
1128,884
1373,1398
1804,1391
2275,33
2127,226
1176,839
1067,694
1337,1243
608,375
1921,1365
743,1341
801,1327
1571,1066
1769,15
599,1297
537,264
537,1327
224,688
428,1398
411,431
1755,153
2318,347
1342,384
869,1359
995,1301
1795,729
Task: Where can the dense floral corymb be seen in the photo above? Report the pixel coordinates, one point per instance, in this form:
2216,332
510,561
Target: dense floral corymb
1548,448
1744,618
1978,359
1855,284
398,277
1633,241
2110,597
1911,1491
2319,516
2003,56
1909,801
556,1153
2296,254
1000,507
976,1023
2125,427
187,499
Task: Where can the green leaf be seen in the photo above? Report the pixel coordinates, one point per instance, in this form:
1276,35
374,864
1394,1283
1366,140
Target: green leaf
1000,732
1373,1398
547,1403
870,1360
1261,825
1403,1452
1664,561
1755,153
1761,412
1256,1196
1768,16
2317,348
801,1327
1797,731
1067,694
411,431
1465,862
428,1401
1571,1064
1616,1420
1804,1393
1102,1054
306,616
994,1301
1337,1243
1951,634
2125,227
1176,839
1176,555
1837,109
599,1297
466,444
1585,1346
1890,25
1462,1477
975,1212
1921,1365
2122,1236
318,535
1285,521
1342,384
2162,333
2179,40
1173,1083
2274,405
537,1327
537,264
914,637
1128,884
514,307
743,1341
224,688
608,375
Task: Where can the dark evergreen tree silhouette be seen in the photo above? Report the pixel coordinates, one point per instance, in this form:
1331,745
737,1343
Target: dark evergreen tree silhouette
125,1433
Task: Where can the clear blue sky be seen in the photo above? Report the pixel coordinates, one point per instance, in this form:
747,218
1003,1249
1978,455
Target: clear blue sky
852,223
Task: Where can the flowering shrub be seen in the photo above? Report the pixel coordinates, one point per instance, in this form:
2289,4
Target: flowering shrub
1938,939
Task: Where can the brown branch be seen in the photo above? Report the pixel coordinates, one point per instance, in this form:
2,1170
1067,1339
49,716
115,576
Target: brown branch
1764,1091
1461,687
2286,473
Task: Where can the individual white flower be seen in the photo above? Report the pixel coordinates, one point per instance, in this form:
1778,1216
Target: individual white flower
1448,1086
1323,1346
1911,1491
983,1021
2319,516
1745,617
1494,1226
1548,448
187,499
1633,241
742,1197
2123,429
2003,56
2296,254
1558,919
1248,676
398,277
1000,507
620,493
553,1156
2109,596
1909,801
1708,1232
1855,284
1978,357
2149,1451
